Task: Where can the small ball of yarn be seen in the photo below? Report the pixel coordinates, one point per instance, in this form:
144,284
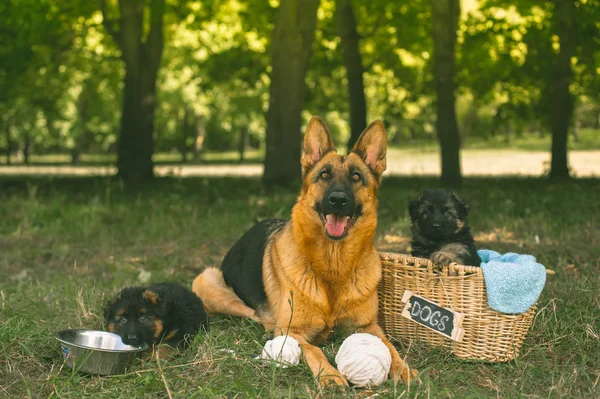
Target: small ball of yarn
283,349
364,360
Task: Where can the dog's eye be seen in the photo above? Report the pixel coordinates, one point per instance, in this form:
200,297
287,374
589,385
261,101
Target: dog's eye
426,212
123,320
143,319
356,176
324,175
448,214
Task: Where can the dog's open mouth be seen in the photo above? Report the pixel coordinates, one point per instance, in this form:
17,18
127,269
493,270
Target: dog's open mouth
337,226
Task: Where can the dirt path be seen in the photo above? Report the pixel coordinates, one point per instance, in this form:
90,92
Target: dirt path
400,162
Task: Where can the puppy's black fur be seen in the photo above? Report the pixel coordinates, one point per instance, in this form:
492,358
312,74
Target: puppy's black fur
439,228
165,313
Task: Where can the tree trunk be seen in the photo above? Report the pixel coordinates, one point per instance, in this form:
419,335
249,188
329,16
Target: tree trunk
142,60
541,129
8,141
561,107
186,130
445,15
79,131
576,123
290,51
346,23
199,133
469,121
26,148
75,156
242,142
507,130
576,127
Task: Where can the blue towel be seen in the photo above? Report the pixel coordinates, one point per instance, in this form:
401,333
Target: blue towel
513,282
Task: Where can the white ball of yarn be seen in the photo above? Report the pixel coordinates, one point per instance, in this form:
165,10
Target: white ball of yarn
283,349
364,360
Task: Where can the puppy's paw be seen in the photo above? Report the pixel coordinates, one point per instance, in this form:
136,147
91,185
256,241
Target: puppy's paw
444,258
164,352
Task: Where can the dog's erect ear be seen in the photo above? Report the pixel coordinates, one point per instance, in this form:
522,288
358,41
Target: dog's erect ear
461,206
317,142
372,147
413,210
151,297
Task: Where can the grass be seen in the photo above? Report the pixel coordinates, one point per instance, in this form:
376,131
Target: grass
251,156
67,244
589,139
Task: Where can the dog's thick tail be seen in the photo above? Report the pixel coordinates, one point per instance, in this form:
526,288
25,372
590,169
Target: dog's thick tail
217,297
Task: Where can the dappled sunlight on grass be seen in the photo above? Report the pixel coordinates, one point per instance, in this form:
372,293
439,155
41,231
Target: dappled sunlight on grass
207,157
400,162
496,235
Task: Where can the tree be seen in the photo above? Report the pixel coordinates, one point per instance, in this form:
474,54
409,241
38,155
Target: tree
346,22
142,56
398,72
291,44
561,107
36,45
445,16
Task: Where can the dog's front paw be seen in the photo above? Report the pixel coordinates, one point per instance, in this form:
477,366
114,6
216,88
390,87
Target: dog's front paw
404,373
411,377
444,258
333,379
164,352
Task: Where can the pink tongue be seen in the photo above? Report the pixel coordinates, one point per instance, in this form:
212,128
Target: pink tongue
335,224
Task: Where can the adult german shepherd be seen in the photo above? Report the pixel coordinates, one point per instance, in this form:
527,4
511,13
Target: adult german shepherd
306,276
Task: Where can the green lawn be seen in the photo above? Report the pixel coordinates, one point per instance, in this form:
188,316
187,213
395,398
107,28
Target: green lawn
67,244
163,158
589,139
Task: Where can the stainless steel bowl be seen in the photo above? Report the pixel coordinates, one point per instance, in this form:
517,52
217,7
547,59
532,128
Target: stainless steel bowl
96,352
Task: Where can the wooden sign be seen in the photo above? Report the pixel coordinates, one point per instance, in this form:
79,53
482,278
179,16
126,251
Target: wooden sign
431,315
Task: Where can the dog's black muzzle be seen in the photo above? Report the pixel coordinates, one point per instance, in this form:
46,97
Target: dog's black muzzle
338,212
339,202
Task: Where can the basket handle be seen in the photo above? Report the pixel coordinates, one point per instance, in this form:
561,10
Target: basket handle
455,267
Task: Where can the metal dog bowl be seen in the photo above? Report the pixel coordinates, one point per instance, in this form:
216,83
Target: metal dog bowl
96,352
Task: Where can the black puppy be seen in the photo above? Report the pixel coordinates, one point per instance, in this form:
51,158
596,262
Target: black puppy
166,313
439,229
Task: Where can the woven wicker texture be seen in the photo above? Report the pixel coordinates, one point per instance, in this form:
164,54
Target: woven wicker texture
489,335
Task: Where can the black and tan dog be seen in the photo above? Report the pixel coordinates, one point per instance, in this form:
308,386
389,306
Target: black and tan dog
164,313
439,228
320,270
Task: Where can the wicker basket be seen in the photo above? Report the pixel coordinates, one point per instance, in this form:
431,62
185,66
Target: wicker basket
488,335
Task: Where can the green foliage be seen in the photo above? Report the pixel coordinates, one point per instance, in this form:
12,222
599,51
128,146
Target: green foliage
215,67
60,75
514,45
51,67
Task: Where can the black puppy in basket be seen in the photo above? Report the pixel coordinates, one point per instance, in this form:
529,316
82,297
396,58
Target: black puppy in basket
439,228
